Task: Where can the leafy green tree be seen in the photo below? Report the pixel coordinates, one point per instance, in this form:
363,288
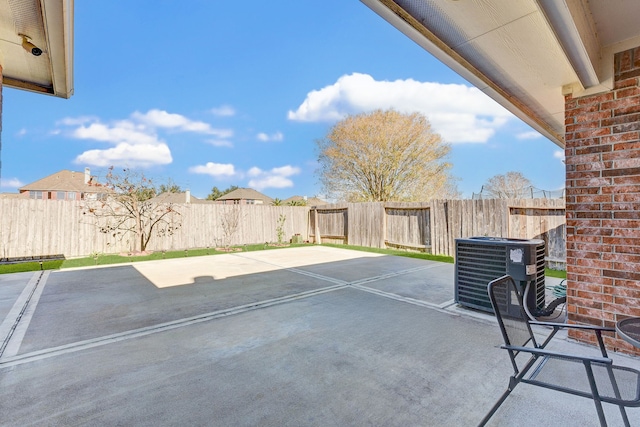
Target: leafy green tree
300,202
385,156
169,187
276,202
216,193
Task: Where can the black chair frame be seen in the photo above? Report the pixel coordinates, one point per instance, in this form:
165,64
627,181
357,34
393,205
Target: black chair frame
505,288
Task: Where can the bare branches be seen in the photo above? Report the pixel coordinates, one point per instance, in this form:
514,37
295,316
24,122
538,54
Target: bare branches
230,221
512,185
131,210
384,156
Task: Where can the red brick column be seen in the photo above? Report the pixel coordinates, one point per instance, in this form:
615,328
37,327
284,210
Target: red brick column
603,202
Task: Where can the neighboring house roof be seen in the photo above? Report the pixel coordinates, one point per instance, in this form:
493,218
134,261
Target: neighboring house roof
246,194
48,25
182,197
526,55
66,180
311,201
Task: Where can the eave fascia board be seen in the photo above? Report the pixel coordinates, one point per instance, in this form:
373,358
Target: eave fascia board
58,22
28,86
405,23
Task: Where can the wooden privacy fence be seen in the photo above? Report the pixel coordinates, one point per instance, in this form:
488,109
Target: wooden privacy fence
433,226
37,228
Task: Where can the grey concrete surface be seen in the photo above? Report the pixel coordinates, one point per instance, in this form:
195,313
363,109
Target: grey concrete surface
11,286
309,336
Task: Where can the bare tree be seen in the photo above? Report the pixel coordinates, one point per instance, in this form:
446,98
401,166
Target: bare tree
230,222
130,210
385,156
512,185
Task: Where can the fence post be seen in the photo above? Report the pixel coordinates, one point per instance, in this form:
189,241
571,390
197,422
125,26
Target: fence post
316,233
383,234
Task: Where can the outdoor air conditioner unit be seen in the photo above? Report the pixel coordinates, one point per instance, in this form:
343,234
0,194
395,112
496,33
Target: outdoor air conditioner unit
480,260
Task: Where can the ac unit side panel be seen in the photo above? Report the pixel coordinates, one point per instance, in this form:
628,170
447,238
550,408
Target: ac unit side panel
476,266
540,282
478,263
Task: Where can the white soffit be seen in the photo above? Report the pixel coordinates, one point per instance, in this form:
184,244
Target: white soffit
523,53
49,25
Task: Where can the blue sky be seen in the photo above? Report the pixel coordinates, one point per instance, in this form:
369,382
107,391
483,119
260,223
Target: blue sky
212,93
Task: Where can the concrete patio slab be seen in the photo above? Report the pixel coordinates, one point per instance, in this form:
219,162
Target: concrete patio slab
289,343
101,302
11,286
433,283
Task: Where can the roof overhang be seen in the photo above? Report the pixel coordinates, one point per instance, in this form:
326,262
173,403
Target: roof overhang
525,54
48,24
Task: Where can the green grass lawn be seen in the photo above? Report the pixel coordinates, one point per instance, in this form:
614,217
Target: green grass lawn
397,252
422,255
109,259
30,266
119,259
104,259
560,274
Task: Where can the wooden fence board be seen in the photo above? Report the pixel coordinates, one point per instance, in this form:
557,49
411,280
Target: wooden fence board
35,228
447,220
50,227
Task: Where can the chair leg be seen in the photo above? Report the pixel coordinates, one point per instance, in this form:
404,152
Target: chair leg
596,395
512,384
623,412
616,391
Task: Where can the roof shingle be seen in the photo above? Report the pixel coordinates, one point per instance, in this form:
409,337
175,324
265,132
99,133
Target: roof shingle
65,180
246,194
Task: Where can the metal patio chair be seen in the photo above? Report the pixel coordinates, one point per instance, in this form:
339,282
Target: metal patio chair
601,380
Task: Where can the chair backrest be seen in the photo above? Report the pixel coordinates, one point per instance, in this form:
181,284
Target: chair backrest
506,299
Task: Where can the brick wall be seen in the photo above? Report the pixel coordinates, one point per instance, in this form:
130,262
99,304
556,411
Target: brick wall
603,202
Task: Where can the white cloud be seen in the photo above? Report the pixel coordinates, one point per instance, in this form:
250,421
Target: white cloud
559,154
259,179
459,113
529,135
123,131
286,170
223,111
275,178
135,140
163,119
126,154
134,144
255,171
278,136
219,143
11,183
76,121
214,169
273,181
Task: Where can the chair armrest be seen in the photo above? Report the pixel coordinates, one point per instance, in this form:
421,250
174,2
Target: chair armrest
550,353
570,325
